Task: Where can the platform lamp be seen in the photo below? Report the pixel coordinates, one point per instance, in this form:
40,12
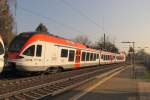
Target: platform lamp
133,58
145,57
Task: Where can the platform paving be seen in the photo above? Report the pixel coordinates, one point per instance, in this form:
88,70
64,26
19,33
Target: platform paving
120,87
144,90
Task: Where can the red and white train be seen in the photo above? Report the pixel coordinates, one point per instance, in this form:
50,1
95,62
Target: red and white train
33,51
2,53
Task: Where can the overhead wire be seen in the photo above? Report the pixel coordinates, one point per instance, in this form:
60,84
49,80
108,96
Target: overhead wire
80,13
50,19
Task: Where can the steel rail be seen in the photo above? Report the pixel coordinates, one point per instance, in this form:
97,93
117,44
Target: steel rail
53,88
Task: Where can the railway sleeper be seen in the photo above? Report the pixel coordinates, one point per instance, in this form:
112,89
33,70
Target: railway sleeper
32,95
43,91
40,91
21,97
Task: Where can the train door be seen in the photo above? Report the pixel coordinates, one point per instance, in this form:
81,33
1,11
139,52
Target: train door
39,54
100,54
78,56
111,58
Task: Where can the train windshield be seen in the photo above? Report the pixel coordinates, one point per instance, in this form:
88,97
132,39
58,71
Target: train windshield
18,42
1,49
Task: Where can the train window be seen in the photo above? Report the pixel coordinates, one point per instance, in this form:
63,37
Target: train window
94,57
87,56
91,57
64,53
30,51
39,50
1,49
104,57
97,56
83,56
71,55
113,57
18,42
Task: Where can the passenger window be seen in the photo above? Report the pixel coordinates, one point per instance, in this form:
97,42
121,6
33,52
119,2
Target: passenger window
64,53
39,51
83,56
30,51
91,57
97,56
87,56
105,57
94,57
1,49
71,55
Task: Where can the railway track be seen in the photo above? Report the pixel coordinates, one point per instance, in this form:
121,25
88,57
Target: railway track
41,86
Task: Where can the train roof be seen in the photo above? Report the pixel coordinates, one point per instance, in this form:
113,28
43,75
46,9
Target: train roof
35,33
52,38
48,37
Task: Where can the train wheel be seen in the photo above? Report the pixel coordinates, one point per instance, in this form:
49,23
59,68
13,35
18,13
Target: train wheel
54,70
57,69
61,69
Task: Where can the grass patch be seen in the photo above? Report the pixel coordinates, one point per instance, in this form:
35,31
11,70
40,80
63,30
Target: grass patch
147,74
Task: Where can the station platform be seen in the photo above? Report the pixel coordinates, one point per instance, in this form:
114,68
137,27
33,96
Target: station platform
121,87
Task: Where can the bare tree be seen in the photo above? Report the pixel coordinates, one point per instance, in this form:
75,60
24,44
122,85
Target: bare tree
41,28
6,22
83,39
109,46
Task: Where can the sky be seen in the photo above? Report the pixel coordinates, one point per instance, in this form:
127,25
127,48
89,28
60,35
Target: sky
121,20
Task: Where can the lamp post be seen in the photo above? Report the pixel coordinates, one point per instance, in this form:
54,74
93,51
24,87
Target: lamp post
145,59
132,58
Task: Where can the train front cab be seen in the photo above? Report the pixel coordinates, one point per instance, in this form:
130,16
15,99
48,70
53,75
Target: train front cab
32,57
29,57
